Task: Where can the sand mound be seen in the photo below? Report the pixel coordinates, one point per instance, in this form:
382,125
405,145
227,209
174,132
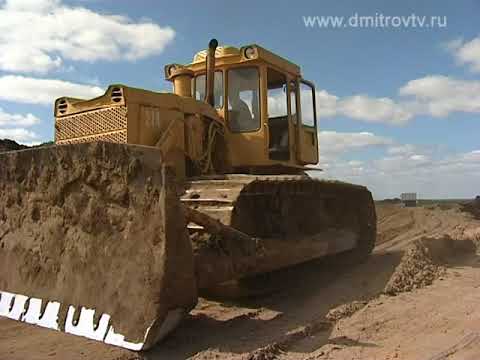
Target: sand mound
424,261
272,351
473,207
345,310
10,145
416,270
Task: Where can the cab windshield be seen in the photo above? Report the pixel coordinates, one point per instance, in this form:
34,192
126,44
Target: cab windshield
218,88
243,99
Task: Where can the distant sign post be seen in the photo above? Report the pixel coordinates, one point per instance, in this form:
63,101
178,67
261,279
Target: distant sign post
409,199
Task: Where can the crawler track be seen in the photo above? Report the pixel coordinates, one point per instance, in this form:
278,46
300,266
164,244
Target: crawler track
293,219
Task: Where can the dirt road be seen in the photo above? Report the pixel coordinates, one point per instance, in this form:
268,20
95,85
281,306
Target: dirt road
433,322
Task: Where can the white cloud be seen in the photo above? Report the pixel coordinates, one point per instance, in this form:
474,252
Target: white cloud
31,5
433,95
439,95
401,163
363,108
467,53
406,149
19,135
473,156
382,110
453,45
326,104
355,163
406,168
333,143
43,91
15,120
39,35
419,158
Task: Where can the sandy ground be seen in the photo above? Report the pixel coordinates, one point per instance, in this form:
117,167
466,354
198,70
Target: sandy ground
304,319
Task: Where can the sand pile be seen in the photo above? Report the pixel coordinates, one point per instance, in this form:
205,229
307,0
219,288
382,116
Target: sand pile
473,207
10,145
424,261
345,310
416,270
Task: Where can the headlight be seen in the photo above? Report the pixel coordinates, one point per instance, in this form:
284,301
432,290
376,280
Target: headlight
250,52
62,106
171,69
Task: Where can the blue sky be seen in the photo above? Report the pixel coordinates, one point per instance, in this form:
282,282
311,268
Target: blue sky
398,106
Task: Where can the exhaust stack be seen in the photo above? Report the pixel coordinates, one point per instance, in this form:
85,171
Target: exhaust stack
210,73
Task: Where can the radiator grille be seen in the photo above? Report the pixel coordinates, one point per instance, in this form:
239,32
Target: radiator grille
104,124
116,137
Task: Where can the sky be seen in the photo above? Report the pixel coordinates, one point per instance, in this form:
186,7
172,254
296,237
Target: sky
398,99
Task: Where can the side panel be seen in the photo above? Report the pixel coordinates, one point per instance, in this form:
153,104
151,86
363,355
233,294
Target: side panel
308,153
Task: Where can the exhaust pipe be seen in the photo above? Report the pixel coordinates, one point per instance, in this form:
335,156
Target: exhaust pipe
210,73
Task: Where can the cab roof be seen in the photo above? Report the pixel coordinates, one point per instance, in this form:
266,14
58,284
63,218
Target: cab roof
230,55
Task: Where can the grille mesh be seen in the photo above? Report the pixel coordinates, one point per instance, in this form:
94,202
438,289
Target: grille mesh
104,124
116,137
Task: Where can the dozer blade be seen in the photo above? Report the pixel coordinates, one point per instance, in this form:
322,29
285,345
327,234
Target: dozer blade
93,242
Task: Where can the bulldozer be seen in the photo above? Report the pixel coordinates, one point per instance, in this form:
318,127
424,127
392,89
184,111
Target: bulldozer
147,199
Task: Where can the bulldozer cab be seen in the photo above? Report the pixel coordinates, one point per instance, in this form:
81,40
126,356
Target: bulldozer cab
268,109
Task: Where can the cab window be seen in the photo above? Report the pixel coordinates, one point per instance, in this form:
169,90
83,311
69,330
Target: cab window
293,101
277,115
218,88
307,104
243,99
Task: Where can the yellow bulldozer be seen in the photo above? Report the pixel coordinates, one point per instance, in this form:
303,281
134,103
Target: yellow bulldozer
148,198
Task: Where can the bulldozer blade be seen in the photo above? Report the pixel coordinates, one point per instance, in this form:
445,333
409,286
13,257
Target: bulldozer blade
93,242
